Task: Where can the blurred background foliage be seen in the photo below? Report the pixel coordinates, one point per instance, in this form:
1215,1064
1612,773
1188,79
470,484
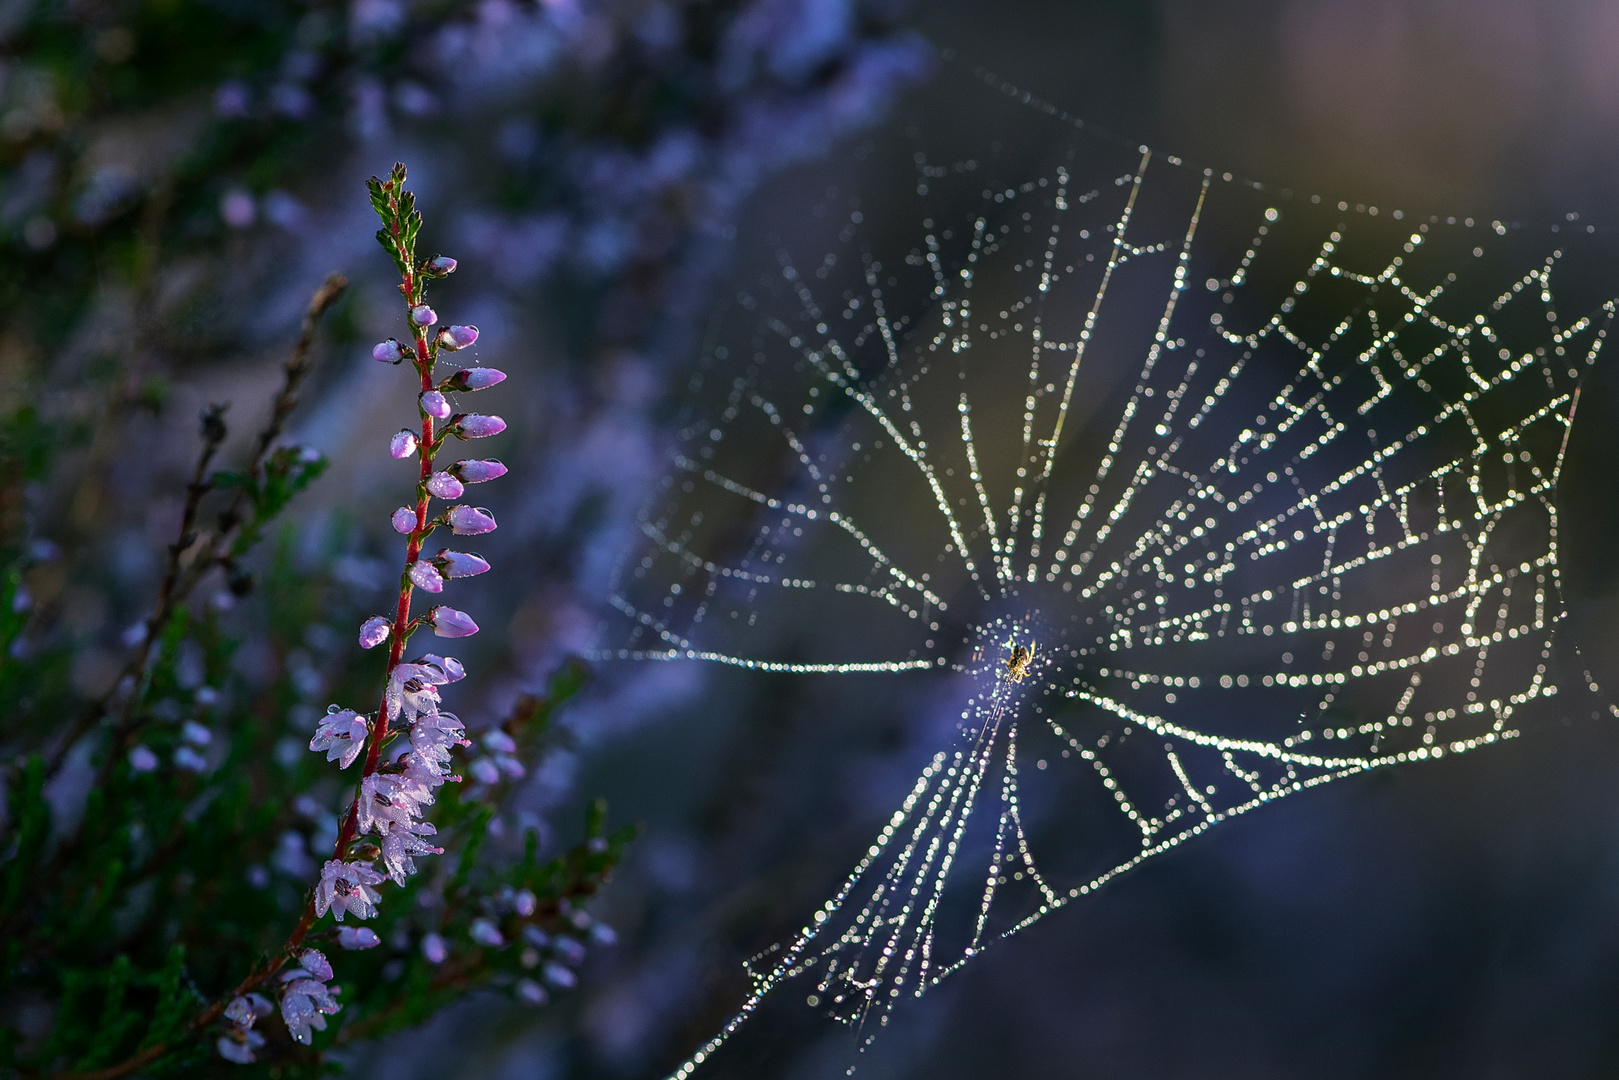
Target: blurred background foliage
176,178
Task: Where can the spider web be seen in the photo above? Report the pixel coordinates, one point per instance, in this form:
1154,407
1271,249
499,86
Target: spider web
1266,484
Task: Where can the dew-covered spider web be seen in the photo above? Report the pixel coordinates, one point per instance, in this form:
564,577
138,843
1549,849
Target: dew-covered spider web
1202,494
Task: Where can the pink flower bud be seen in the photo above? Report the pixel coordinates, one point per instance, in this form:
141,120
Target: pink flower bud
448,622
435,404
434,951
374,631
479,378
404,520
390,352
485,771
470,520
485,932
402,445
441,265
455,338
357,937
500,742
425,576
444,486
422,315
476,471
455,564
477,426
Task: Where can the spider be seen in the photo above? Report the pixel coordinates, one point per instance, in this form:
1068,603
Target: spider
1017,665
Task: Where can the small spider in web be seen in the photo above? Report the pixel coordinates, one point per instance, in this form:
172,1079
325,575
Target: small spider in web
1017,665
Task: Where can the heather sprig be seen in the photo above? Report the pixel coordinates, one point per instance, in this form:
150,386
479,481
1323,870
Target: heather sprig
139,920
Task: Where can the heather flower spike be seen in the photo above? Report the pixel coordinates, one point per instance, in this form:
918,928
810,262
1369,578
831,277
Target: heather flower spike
385,820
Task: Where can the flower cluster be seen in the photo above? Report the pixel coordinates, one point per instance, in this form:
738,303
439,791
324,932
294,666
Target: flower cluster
395,791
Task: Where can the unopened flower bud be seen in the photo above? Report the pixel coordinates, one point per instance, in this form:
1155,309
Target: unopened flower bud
454,338
422,315
487,933
559,976
497,740
470,520
441,266
444,486
532,992
141,759
485,771
374,631
477,426
402,445
435,404
404,520
390,352
478,378
448,622
476,471
457,564
425,576
433,949
314,961
357,937
524,903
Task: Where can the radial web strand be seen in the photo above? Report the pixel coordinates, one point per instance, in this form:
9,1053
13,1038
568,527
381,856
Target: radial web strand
1203,493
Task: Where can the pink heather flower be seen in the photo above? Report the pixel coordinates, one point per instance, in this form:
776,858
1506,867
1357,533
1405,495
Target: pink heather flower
426,577
400,843
413,688
422,315
478,378
390,351
431,737
315,963
441,265
470,520
449,665
475,471
435,404
141,759
478,426
248,1009
525,903
374,631
485,771
404,520
237,1046
434,950
455,338
500,742
341,734
532,992
487,933
189,760
357,937
444,486
459,564
402,445
346,887
448,622
305,1005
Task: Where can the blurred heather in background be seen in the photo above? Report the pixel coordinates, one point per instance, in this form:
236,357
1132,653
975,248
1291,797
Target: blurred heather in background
179,175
